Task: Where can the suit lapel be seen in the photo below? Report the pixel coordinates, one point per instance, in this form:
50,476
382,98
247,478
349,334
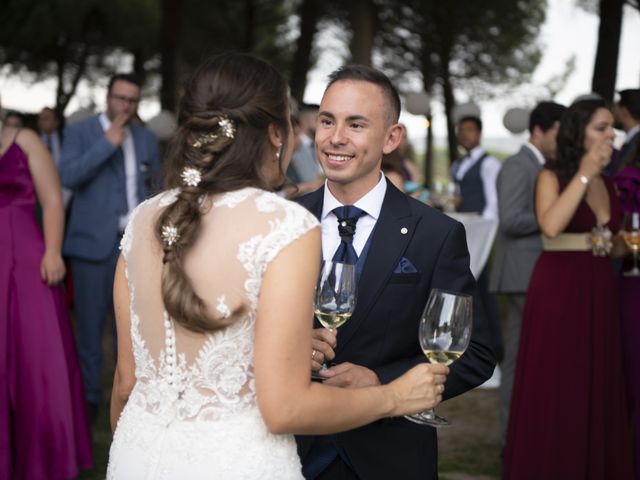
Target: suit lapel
313,202
531,158
118,165
387,246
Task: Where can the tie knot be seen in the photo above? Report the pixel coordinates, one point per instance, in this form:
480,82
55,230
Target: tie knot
348,216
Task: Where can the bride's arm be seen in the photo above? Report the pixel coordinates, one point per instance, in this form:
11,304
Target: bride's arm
288,400
124,378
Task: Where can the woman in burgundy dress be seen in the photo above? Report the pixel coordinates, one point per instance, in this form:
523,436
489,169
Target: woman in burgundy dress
569,413
44,433
628,183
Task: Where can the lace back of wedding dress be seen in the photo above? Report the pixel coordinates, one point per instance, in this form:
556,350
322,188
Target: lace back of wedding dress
182,375
193,412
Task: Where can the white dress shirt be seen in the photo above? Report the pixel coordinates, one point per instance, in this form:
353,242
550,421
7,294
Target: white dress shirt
370,203
130,170
488,173
536,153
631,133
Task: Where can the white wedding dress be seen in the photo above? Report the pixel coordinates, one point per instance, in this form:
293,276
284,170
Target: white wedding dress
193,412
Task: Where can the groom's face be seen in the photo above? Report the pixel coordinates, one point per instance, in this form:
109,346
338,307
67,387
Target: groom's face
352,133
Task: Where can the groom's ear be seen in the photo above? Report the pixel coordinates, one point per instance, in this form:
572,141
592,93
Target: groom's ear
393,138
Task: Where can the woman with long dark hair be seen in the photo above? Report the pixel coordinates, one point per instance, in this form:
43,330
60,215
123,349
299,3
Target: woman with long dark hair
568,413
213,300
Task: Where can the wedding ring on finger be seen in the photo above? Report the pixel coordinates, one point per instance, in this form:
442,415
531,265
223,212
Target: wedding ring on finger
313,355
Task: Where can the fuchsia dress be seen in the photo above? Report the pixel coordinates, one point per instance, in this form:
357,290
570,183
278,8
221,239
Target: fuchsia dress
568,417
44,432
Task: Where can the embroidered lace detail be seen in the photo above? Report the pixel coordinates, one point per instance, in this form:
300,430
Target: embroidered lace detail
174,399
222,307
233,199
125,241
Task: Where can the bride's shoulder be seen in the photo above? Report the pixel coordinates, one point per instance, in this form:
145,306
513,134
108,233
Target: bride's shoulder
269,202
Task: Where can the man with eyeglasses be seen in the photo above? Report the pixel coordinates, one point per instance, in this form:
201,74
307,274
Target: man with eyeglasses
110,162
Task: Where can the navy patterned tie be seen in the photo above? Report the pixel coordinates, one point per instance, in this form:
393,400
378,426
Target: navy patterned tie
347,218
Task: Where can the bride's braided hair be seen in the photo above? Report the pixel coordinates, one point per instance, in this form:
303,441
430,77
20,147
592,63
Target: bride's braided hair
224,114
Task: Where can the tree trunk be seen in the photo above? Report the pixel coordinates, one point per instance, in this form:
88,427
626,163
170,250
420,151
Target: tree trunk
63,95
362,17
606,65
169,41
250,14
449,103
310,11
138,65
428,154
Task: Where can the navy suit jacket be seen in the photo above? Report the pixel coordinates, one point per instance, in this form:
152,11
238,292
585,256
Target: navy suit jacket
382,334
93,168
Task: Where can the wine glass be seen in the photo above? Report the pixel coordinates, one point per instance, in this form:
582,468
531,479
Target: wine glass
336,295
632,239
444,334
452,198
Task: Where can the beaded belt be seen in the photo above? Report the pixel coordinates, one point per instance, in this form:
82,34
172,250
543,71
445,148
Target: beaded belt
598,241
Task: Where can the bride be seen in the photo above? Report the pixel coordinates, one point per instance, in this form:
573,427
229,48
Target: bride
213,301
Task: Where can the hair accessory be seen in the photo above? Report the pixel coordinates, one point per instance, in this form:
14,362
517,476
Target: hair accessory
226,126
170,234
191,176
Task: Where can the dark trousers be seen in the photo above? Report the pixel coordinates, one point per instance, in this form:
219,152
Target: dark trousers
337,470
93,284
508,365
489,305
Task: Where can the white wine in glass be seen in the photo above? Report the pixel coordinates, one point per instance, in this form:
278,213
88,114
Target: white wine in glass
444,334
336,294
632,239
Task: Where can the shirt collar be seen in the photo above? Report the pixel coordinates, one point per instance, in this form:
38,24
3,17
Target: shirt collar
476,153
631,133
536,152
106,123
370,203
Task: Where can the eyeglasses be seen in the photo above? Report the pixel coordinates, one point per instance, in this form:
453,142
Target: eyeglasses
123,99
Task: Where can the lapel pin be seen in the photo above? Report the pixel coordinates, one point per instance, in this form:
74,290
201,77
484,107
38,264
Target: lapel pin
404,230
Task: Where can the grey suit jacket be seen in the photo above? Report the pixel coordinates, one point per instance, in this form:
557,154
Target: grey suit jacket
91,168
518,242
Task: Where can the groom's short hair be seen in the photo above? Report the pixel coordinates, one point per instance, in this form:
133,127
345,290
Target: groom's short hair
364,73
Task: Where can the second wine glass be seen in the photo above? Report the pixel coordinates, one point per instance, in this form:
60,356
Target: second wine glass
444,334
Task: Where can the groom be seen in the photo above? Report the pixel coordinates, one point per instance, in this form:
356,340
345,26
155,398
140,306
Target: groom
404,249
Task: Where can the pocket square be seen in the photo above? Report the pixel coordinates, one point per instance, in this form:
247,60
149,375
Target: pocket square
405,266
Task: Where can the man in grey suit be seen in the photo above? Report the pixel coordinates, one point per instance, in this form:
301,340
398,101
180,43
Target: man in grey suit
627,115
109,162
518,242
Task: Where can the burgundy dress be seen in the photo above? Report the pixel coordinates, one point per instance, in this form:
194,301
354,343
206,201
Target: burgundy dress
568,416
44,432
628,183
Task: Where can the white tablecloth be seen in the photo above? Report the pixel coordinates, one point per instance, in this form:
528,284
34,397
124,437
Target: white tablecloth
480,235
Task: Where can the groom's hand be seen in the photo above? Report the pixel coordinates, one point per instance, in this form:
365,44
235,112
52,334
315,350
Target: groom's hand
348,375
323,342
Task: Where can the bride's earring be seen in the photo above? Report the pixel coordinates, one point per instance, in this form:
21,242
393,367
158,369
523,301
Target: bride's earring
279,152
